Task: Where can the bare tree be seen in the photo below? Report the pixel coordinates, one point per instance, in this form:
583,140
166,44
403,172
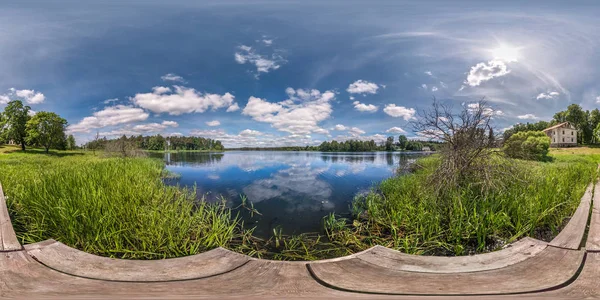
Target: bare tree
468,136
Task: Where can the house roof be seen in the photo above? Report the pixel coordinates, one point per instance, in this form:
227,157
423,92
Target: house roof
556,126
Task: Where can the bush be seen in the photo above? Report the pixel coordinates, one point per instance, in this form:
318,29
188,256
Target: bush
531,145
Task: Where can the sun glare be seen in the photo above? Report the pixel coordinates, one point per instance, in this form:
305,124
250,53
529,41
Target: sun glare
506,53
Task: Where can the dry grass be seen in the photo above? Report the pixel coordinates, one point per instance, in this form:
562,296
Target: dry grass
575,150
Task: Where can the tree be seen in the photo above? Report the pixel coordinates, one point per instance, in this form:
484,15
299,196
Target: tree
531,145
389,143
14,125
402,140
46,129
71,143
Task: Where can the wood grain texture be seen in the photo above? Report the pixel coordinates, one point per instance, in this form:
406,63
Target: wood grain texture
515,253
593,239
8,238
571,236
72,261
550,268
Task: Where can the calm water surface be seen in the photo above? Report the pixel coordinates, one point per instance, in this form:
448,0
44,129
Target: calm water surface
293,190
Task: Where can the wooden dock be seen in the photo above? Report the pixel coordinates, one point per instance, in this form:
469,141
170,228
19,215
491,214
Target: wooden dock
529,268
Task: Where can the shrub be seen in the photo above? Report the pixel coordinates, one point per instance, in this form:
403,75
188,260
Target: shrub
531,145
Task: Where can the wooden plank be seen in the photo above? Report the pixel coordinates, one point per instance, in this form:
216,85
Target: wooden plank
550,268
516,253
571,236
8,238
72,261
586,285
593,239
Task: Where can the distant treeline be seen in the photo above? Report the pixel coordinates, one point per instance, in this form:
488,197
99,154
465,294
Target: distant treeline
356,146
158,142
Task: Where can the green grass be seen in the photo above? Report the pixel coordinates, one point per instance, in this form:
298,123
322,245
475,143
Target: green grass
120,207
110,206
404,214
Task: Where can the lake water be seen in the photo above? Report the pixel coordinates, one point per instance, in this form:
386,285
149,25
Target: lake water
293,190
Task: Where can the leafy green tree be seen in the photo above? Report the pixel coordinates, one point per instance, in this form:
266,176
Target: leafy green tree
14,123
71,144
389,143
46,129
414,146
156,142
402,140
532,145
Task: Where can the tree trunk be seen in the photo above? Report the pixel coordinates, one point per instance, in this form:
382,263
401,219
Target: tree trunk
47,148
23,146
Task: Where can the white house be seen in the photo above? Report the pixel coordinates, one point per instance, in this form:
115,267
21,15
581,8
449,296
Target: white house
562,135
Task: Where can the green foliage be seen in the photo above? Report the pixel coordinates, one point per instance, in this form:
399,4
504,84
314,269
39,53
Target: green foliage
389,143
349,146
71,143
46,129
405,214
532,145
159,143
519,127
13,127
414,146
402,141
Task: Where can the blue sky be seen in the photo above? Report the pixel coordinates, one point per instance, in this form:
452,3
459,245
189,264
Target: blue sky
267,73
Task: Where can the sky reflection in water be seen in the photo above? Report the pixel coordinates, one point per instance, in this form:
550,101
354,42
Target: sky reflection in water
294,190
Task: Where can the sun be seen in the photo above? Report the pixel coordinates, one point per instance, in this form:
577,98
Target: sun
506,53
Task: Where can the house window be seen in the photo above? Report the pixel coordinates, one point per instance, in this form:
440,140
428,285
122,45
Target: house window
563,132
571,132
571,139
563,139
554,140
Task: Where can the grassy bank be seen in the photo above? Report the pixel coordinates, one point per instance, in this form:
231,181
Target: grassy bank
535,200
120,207
110,206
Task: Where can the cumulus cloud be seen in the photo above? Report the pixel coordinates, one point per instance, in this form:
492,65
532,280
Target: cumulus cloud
263,63
598,99
300,114
434,89
233,107
395,130
141,129
250,132
109,101
172,77
362,87
483,72
29,96
355,131
400,111
181,101
110,116
527,117
429,73
268,42
473,107
365,107
549,95
340,127
213,123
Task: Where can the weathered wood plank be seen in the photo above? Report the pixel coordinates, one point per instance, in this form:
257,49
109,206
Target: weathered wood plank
516,253
550,268
593,239
8,238
571,236
72,261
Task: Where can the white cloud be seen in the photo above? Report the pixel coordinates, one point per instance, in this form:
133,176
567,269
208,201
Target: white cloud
213,123
395,130
598,99
365,107
183,100
109,101
233,107
300,114
483,72
263,64
31,113
110,116
488,111
356,131
528,117
340,127
362,87
429,73
550,95
28,96
141,129
172,77
250,132
434,89
424,86
268,42
400,111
